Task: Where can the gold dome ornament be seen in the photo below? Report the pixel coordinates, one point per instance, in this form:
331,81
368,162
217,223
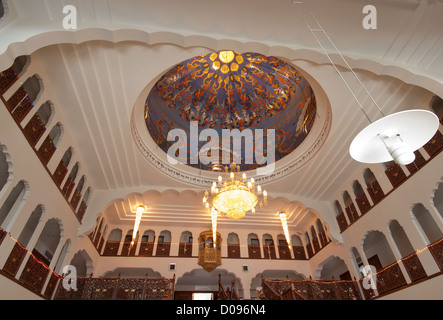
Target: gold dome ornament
209,251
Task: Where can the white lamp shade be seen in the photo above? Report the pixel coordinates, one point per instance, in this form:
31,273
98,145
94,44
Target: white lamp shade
394,137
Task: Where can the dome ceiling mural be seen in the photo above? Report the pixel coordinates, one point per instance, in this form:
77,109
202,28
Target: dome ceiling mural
231,90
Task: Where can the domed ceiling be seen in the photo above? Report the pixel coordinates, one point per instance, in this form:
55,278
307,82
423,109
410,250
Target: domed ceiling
231,90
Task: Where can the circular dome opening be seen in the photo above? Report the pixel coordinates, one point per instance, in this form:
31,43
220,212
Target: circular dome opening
229,94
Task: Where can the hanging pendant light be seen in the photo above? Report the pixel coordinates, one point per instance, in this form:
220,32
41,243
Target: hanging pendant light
393,137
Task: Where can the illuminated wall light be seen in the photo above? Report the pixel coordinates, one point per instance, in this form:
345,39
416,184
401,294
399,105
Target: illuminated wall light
284,224
138,218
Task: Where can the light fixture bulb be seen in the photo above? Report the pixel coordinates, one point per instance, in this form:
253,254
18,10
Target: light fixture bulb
399,150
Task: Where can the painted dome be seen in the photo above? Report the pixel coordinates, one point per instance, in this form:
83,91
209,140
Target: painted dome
231,90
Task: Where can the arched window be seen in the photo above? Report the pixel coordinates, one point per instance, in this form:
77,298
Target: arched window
147,244
426,224
360,197
356,260
62,257
49,146
12,205
163,244
233,245
185,246
372,186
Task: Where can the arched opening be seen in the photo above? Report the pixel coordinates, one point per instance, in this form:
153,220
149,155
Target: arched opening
272,275
377,250
340,216
37,125
113,243
372,186
333,268
9,76
350,209
233,243
147,244
314,238
48,147
128,248
5,170
19,251
437,199
268,247
360,197
324,240
70,181
382,262
298,248
254,246
283,247
309,248
426,224
82,263
185,246
12,205
75,199
201,281
36,269
410,259
83,204
394,172
163,244
436,105
62,168
22,100
356,260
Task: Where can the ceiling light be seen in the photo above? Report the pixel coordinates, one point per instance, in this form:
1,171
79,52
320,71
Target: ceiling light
234,196
393,137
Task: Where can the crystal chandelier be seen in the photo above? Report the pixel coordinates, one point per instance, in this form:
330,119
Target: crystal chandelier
233,195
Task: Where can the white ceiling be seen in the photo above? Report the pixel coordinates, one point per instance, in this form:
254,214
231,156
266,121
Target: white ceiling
96,74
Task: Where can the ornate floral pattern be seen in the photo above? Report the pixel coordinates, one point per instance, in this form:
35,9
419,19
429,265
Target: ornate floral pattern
229,90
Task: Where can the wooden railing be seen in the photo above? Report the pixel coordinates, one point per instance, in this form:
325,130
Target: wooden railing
310,290
118,289
228,293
